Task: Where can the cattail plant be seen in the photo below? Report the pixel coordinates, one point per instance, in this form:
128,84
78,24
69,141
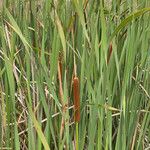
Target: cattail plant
76,96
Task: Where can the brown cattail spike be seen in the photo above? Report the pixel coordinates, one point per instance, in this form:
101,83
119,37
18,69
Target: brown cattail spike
76,96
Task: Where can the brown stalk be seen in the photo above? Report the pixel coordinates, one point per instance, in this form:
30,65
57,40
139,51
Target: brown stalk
85,4
61,98
60,82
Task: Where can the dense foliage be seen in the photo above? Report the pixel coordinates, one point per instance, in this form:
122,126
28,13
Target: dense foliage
75,74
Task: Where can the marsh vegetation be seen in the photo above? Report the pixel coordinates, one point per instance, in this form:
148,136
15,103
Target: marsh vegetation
75,74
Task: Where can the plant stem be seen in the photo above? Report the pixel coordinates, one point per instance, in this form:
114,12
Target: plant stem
77,137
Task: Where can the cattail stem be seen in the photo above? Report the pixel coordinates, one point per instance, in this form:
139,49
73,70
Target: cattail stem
60,84
61,98
77,136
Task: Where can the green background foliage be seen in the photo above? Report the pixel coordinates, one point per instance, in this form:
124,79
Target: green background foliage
35,35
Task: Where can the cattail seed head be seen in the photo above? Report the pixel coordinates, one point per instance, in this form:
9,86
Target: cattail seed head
76,96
